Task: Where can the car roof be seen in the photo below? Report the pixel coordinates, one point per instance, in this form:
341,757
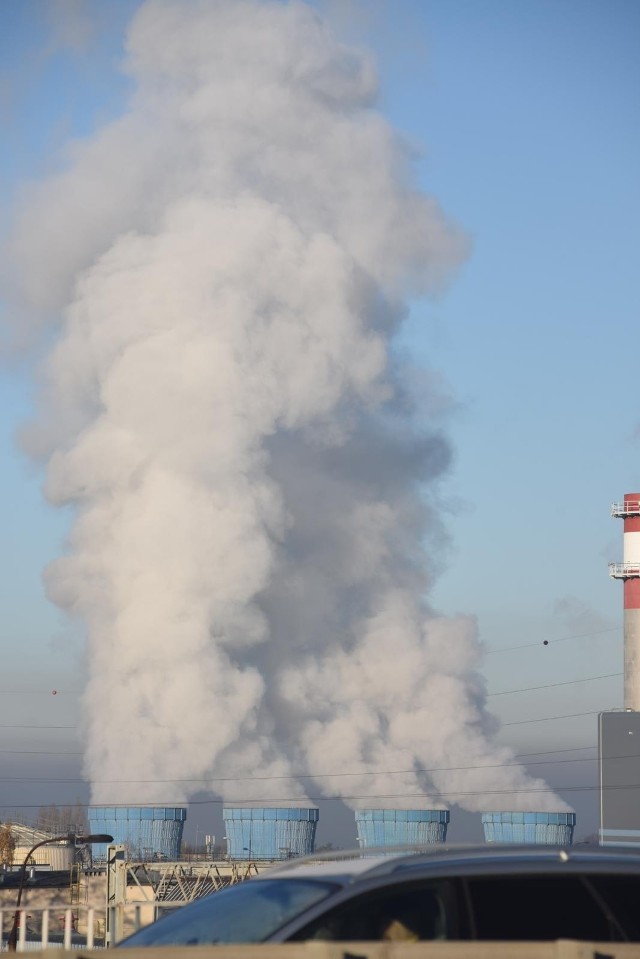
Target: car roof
320,869
447,859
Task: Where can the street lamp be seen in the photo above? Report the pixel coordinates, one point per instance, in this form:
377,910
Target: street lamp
71,838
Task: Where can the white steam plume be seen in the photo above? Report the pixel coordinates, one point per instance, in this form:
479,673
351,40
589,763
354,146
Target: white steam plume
222,409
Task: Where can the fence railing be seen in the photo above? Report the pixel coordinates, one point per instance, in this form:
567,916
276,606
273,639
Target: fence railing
81,927
628,508
68,927
624,570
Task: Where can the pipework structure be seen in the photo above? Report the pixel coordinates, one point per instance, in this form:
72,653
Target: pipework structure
629,572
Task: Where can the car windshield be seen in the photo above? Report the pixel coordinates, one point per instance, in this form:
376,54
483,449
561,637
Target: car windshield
249,912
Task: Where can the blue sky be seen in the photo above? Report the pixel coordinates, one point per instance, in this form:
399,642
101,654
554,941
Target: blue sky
524,119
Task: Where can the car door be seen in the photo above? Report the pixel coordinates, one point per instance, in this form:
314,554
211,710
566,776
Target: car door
414,911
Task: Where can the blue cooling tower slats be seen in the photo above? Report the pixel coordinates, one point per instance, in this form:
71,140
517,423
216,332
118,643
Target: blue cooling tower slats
148,832
269,832
400,827
534,828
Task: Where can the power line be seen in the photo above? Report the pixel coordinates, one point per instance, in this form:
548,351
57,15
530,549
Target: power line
542,719
37,752
548,719
449,796
504,692
551,642
32,726
55,752
39,692
298,776
550,752
487,651
569,682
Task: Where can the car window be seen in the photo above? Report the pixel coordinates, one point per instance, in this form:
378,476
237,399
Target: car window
402,913
249,912
536,908
621,895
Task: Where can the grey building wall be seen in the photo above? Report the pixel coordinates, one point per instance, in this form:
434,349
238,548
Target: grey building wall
619,768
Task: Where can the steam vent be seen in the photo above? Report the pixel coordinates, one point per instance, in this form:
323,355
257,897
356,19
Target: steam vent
269,832
535,828
148,832
400,827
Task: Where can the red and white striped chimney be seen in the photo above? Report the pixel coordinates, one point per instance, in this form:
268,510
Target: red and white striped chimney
629,571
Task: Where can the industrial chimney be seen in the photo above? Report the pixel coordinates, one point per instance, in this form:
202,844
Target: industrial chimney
629,572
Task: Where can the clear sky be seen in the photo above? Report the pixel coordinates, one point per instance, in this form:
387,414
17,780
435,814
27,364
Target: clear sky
524,119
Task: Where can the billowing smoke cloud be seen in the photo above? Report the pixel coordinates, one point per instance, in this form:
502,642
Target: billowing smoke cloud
223,410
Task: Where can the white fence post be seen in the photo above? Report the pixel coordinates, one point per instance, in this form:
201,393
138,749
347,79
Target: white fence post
44,934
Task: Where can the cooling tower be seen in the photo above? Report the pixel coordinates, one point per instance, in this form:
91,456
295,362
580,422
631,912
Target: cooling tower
148,832
535,828
269,832
401,827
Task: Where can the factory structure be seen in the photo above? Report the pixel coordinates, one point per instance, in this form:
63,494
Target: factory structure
272,832
619,730
256,833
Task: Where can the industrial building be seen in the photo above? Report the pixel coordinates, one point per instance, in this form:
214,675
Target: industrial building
619,766
56,856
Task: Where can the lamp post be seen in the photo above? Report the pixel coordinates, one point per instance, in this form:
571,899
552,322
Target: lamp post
71,838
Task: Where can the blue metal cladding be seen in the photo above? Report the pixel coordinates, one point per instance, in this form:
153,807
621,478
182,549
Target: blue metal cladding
400,827
148,832
269,832
535,828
